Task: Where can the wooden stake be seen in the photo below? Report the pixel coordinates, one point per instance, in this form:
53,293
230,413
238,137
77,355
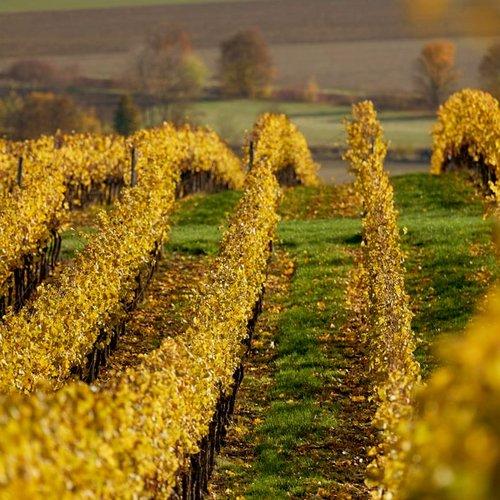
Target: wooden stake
20,171
132,172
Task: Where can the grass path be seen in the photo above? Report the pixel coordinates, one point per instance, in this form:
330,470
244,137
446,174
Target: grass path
301,432
310,431
162,313
450,256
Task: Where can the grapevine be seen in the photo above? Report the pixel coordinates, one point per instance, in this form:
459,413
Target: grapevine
378,297
276,140
468,131
50,340
29,215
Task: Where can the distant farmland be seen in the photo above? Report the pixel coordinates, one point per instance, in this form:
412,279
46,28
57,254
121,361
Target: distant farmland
345,44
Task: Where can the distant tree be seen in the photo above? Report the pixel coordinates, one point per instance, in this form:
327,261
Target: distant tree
436,74
9,105
245,66
38,73
167,69
45,113
127,118
31,71
489,70
311,91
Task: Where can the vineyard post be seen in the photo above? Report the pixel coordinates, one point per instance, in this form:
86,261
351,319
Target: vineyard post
250,156
20,171
132,171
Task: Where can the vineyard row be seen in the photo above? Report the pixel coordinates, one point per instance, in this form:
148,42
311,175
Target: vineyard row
439,439
147,432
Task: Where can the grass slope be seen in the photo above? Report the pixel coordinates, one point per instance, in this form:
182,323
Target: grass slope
451,259
197,225
298,440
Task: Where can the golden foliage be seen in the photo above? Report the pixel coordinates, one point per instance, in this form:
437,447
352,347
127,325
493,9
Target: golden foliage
27,215
469,121
56,167
455,437
130,440
278,141
205,151
43,343
468,131
377,296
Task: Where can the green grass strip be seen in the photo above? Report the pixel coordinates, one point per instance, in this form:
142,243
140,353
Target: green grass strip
451,259
296,436
198,223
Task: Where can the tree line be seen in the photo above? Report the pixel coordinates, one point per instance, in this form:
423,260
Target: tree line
171,75
166,69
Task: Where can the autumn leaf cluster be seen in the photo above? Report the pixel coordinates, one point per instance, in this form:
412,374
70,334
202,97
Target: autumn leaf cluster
57,168
469,121
28,215
278,141
467,133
